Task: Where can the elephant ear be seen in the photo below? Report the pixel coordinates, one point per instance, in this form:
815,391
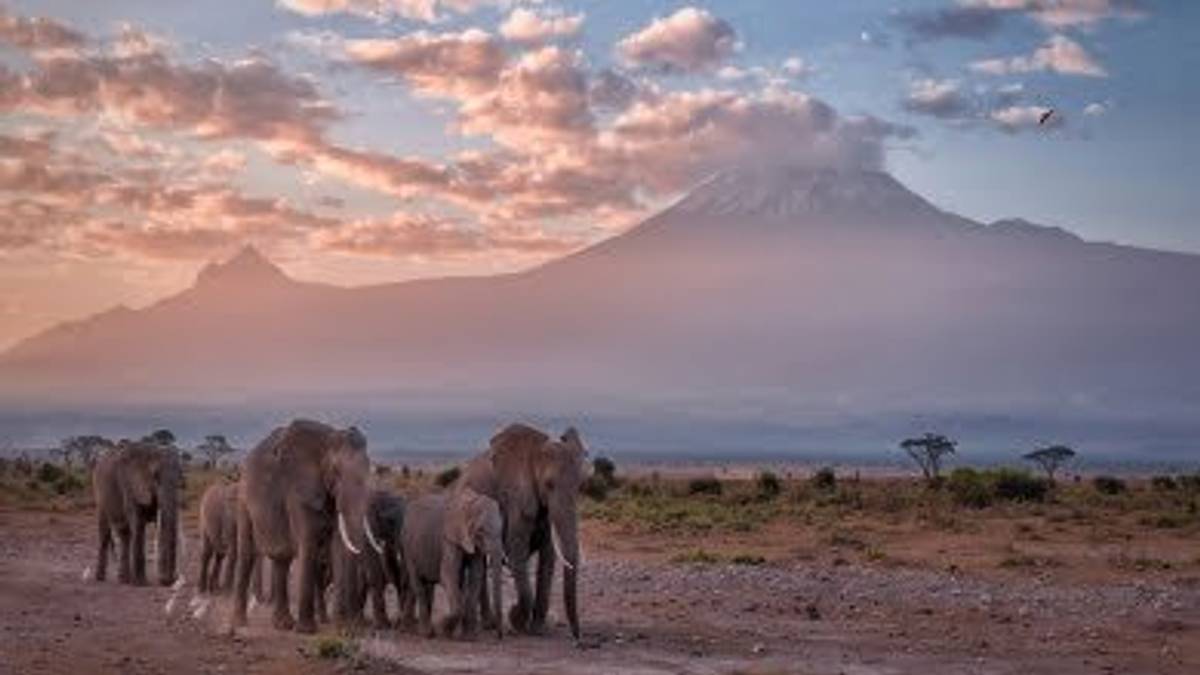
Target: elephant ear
460,521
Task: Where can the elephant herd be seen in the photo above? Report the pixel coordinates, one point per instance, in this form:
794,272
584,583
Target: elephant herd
304,499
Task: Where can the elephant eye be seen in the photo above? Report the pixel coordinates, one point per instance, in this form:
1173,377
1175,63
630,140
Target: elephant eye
549,483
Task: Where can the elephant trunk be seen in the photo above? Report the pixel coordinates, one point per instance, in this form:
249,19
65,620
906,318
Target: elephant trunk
169,534
565,538
496,566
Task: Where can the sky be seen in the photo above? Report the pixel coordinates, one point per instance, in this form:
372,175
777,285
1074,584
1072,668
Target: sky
366,141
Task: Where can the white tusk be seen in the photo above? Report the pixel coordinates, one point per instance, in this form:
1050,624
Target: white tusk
253,602
346,537
170,606
558,549
178,583
87,573
371,537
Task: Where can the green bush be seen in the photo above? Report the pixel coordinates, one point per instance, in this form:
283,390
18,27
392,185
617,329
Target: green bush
704,485
1018,486
970,488
769,485
49,473
604,469
1109,485
445,478
595,487
1164,483
825,479
981,489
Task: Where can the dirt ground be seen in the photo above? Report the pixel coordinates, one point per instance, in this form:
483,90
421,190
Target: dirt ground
642,614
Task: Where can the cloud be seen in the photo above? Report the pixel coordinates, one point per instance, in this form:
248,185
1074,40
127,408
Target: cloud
1060,54
1095,109
1014,119
422,236
690,40
435,64
981,19
528,27
796,67
612,90
422,10
37,34
971,21
938,98
540,99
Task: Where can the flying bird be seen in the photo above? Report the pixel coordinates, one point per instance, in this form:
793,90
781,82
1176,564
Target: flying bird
1046,116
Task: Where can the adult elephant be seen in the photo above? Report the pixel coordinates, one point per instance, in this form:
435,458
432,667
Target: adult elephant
135,484
298,485
536,480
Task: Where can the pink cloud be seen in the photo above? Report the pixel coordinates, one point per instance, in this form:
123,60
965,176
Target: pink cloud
1060,54
689,40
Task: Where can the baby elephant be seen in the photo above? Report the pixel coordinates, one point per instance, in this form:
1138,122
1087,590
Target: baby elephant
218,537
447,540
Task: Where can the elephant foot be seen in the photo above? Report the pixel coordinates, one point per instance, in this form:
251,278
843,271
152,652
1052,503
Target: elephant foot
283,622
138,582
238,620
382,624
536,627
427,632
518,618
306,626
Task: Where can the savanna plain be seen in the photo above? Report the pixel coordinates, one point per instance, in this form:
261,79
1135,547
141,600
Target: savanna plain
719,570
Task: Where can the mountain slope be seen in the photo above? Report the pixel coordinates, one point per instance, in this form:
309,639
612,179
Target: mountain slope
810,292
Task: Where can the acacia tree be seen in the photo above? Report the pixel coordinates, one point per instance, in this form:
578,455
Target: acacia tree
1050,458
160,437
927,451
86,448
214,448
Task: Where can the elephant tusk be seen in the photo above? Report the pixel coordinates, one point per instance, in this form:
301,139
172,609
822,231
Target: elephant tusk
345,536
558,549
371,537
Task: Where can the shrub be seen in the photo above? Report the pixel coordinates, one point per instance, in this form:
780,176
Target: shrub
1190,482
49,473
1109,485
980,489
969,488
1164,483
604,469
769,485
749,559
595,487
448,476
1018,486
68,483
824,479
704,485
329,647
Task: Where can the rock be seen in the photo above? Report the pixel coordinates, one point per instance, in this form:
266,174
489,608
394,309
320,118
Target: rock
758,648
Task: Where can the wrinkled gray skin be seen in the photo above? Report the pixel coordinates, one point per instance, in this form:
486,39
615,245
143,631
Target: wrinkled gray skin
535,479
447,538
135,484
357,577
301,486
218,537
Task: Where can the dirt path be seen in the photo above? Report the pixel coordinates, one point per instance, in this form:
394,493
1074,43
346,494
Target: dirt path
640,617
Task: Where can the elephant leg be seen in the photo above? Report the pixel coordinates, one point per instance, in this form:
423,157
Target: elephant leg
409,599
518,558
545,581
247,566
214,582
488,620
106,540
258,568
206,556
139,552
473,584
425,608
453,585
308,587
321,581
125,541
227,574
377,583
279,593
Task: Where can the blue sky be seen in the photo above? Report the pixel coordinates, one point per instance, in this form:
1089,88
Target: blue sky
1126,172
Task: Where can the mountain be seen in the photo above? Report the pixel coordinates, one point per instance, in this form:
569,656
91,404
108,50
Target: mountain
769,295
